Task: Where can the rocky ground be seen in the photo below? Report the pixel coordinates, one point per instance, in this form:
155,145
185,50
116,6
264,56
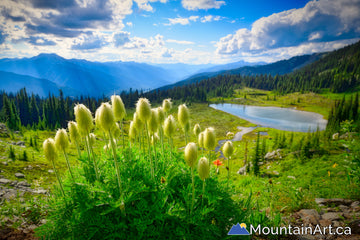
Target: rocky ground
335,212
10,190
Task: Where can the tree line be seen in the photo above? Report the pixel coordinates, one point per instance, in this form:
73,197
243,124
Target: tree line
338,71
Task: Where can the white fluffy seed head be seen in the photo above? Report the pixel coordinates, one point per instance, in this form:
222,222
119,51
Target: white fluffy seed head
106,147
92,139
83,118
61,140
138,124
154,138
191,154
228,149
167,105
74,131
161,115
143,109
153,122
201,139
49,149
230,135
203,168
118,107
132,130
169,126
97,117
197,129
183,115
106,118
209,138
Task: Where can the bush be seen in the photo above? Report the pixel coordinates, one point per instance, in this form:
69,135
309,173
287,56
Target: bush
148,207
24,156
12,153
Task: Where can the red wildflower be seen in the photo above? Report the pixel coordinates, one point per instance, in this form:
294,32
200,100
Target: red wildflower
217,162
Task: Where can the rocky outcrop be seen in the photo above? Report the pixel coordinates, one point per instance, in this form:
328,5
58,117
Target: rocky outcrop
335,212
19,143
4,133
274,155
11,189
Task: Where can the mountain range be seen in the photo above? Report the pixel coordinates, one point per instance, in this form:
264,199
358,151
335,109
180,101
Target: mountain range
47,73
279,67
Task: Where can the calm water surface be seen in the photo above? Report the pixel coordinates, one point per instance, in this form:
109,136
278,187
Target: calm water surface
275,117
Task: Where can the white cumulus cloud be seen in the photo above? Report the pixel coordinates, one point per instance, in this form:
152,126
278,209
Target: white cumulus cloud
183,42
210,18
318,21
181,20
201,4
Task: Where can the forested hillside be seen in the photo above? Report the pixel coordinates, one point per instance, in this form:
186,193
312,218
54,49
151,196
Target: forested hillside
338,71
279,67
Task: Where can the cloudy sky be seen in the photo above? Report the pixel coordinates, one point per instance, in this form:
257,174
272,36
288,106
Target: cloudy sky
170,31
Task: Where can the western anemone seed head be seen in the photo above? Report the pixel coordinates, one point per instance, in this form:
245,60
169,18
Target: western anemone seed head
203,168
209,138
49,149
106,117
201,139
138,124
114,142
167,105
83,118
132,130
106,147
228,149
229,135
61,140
183,115
143,109
169,126
197,129
191,154
97,117
118,107
92,139
154,138
161,115
153,122
74,131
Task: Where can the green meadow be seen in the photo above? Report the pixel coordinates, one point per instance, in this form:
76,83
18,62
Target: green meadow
162,192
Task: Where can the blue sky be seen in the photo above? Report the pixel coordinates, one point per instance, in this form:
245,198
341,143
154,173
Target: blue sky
171,31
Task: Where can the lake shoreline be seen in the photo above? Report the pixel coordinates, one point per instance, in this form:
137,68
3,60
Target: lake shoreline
286,119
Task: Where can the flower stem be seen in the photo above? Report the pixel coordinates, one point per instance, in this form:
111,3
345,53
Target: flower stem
156,161
93,157
116,163
228,175
68,164
78,149
203,193
193,191
58,178
123,133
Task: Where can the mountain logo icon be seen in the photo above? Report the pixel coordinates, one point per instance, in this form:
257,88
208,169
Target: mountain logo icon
238,229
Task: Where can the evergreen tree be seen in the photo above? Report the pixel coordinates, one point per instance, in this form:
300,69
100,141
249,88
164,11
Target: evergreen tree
256,158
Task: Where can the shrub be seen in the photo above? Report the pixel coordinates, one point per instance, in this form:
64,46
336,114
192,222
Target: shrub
12,152
156,208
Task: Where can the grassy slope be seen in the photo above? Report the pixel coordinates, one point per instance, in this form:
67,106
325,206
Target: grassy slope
315,177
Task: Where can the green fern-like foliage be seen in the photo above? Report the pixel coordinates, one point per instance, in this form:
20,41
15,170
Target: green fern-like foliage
148,208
